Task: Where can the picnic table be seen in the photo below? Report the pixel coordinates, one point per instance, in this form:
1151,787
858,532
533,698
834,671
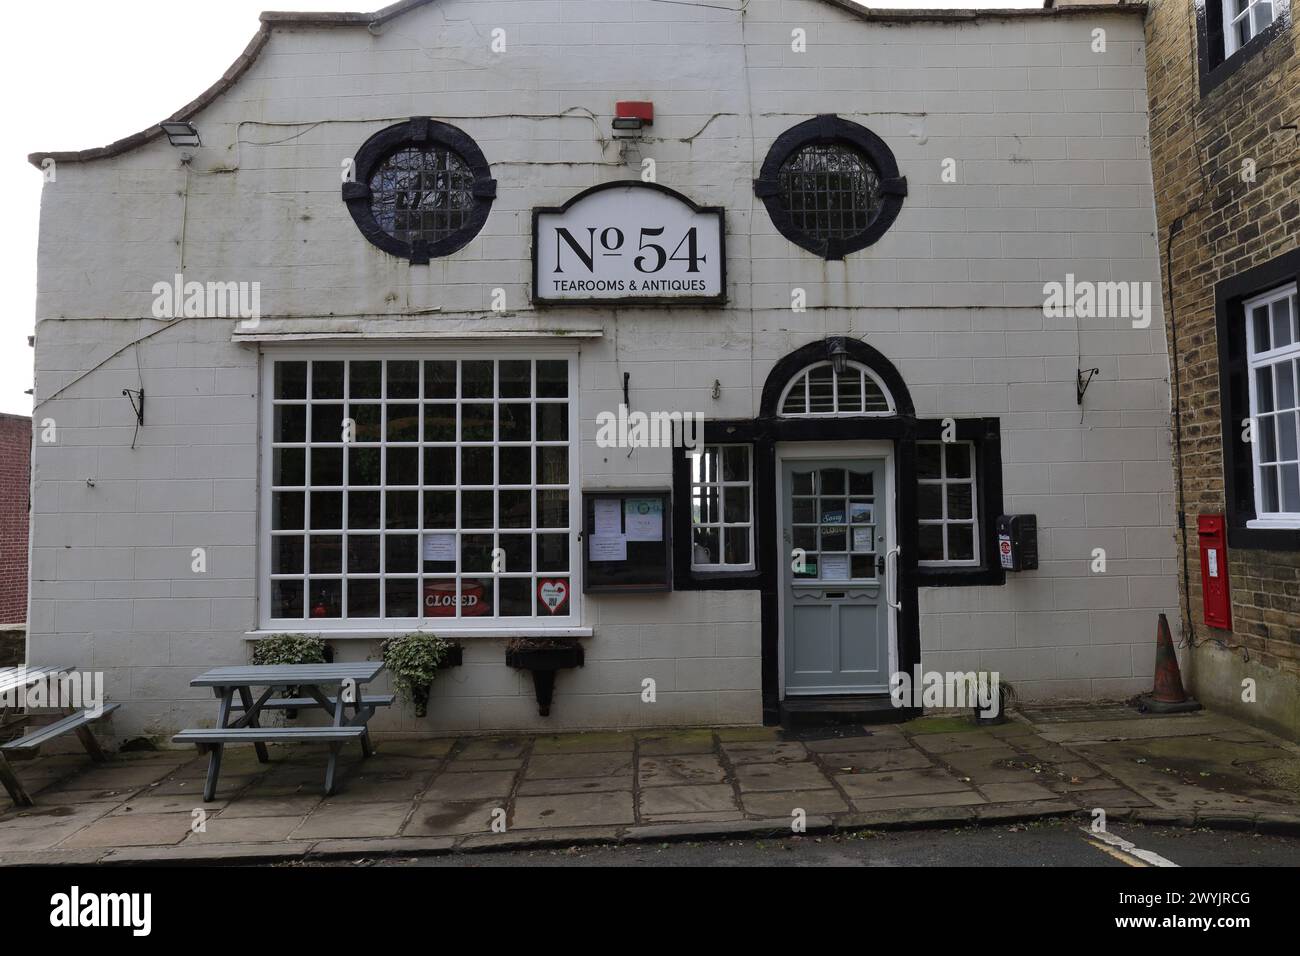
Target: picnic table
309,684
15,681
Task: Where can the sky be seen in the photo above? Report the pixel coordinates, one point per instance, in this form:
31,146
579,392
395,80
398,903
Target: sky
86,72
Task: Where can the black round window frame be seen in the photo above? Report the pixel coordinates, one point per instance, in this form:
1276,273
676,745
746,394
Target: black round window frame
422,133
830,130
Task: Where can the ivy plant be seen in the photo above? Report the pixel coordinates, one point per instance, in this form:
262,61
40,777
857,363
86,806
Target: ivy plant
413,659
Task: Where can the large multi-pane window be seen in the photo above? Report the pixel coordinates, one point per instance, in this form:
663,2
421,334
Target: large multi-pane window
1273,351
722,508
948,532
435,489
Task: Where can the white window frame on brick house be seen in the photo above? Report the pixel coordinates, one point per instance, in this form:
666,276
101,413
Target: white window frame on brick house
945,522
1267,422
538,622
862,382
1250,15
725,488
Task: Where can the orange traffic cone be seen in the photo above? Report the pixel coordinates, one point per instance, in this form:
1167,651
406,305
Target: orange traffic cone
1168,696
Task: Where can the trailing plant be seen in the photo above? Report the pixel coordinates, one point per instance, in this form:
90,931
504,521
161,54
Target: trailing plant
414,660
289,649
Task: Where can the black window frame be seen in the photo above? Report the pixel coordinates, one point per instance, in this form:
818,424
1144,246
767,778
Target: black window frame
985,434
831,130
1234,400
423,133
1213,65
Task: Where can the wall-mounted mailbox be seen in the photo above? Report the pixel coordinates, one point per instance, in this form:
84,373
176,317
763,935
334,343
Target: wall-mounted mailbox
1211,530
1018,542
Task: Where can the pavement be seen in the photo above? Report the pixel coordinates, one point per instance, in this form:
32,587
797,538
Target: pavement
467,794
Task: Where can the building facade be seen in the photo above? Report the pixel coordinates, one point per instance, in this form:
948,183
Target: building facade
416,292
1224,101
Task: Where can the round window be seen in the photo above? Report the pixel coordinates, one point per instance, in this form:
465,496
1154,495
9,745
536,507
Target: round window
830,186
420,190
829,192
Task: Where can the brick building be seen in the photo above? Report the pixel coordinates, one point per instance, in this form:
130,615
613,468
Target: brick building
824,228
1225,115
15,515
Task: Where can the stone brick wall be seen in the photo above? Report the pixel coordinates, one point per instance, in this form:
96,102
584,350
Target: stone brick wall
1227,226
15,474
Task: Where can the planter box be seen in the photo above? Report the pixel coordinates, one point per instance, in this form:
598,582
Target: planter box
547,659
544,661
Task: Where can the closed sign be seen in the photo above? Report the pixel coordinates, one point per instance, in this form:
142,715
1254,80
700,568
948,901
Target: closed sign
629,242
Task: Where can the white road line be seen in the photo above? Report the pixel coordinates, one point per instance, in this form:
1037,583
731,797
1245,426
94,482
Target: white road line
1124,846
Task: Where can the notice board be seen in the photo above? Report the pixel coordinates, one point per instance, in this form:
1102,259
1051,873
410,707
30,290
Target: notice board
627,541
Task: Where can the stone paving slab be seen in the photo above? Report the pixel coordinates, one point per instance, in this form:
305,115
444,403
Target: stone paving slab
874,760
662,801
570,810
679,769
900,783
809,801
435,817
456,793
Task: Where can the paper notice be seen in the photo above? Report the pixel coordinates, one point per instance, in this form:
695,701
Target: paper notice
440,547
644,519
861,539
608,548
835,567
607,518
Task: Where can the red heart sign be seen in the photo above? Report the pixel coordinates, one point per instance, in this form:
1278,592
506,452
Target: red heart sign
553,593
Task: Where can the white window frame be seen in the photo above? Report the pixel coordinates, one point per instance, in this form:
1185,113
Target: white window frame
523,626
802,378
1268,359
725,488
944,481
1230,21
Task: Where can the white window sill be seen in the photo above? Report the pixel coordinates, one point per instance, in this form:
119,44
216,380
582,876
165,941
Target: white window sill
370,634
1274,524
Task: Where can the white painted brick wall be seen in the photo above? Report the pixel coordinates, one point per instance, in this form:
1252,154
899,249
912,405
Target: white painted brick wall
1053,178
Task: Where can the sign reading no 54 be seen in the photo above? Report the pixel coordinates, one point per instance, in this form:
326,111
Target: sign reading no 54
629,242
653,257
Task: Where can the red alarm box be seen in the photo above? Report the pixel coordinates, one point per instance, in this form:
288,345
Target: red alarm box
1215,592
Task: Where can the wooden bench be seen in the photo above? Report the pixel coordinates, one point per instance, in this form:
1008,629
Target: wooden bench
305,703
77,722
249,735
233,687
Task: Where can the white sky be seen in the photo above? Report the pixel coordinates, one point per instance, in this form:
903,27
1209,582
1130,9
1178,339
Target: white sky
87,72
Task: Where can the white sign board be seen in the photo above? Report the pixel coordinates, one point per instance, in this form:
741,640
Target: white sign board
629,242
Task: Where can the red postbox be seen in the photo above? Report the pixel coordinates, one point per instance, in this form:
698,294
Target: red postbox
1215,593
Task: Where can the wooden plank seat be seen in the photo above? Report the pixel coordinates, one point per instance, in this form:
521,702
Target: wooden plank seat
77,722
303,703
248,735
40,735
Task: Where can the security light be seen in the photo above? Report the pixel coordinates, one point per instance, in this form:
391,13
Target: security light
838,354
632,116
181,133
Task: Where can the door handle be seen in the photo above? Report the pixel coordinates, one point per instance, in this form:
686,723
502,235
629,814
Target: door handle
893,552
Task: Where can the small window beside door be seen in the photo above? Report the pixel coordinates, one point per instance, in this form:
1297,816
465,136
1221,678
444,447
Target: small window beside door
722,507
947,504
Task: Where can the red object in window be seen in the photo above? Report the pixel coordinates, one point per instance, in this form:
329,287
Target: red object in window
1215,593
636,109
440,599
